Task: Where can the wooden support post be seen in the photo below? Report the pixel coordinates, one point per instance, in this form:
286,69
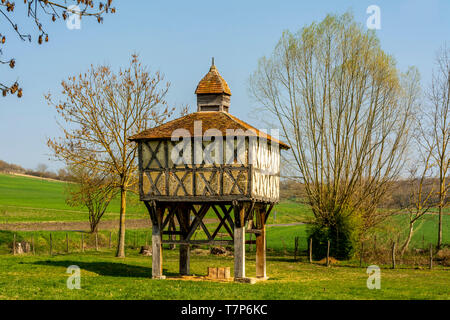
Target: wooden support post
393,255
185,249
67,242
261,254
239,252
310,250
328,254
157,270
431,256
96,241
51,249
239,242
110,236
32,244
261,244
156,252
361,254
14,244
172,236
295,248
82,242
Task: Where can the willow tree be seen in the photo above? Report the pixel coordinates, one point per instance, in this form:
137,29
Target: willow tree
99,111
345,110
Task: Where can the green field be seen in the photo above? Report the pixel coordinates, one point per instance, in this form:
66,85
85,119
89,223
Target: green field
42,276
25,199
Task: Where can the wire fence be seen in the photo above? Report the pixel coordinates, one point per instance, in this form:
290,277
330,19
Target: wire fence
63,242
372,251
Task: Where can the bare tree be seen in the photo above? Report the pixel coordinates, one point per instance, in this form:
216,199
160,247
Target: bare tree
420,185
100,111
91,189
37,11
344,109
437,132
41,169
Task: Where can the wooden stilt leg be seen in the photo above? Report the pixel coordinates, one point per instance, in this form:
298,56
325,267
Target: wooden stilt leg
261,254
185,250
239,241
156,214
260,214
156,253
239,252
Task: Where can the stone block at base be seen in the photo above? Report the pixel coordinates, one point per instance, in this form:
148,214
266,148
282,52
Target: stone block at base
159,278
249,280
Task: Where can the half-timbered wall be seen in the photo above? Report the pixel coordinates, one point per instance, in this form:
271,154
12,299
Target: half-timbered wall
214,169
265,170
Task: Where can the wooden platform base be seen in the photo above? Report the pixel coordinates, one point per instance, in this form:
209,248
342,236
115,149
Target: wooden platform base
229,280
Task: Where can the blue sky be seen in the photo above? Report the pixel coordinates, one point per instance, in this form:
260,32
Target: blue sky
179,38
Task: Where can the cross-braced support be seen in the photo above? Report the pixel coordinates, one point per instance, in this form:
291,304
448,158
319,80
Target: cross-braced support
174,219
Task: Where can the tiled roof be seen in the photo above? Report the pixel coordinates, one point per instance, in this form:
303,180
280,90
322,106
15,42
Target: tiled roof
219,120
212,82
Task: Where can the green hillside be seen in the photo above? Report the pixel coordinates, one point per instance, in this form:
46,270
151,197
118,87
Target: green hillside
32,199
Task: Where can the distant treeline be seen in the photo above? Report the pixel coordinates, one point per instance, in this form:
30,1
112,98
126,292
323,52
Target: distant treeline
41,171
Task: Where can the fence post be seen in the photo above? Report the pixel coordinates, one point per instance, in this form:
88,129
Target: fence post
284,246
328,254
67,242
146,238
32,244
82,242
96,241
375,244
110,239
51,245
431,256
393,255
361,253
310,250
14,245
295,248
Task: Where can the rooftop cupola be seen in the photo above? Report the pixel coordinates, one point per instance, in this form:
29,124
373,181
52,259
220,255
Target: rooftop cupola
213,93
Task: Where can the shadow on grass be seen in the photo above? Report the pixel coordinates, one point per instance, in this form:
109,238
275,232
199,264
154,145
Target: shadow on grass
113,269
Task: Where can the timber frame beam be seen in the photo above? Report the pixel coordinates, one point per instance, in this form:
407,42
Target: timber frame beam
182,222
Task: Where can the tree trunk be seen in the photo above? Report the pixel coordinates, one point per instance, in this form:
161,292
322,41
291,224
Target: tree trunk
121,241
441,204
439,244
408,240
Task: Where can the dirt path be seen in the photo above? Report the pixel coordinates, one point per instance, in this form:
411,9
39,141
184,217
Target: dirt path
285,224
104,225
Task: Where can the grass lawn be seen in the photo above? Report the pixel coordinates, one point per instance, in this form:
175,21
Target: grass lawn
106,277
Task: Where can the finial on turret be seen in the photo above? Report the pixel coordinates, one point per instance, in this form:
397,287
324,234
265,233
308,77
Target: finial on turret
212,63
